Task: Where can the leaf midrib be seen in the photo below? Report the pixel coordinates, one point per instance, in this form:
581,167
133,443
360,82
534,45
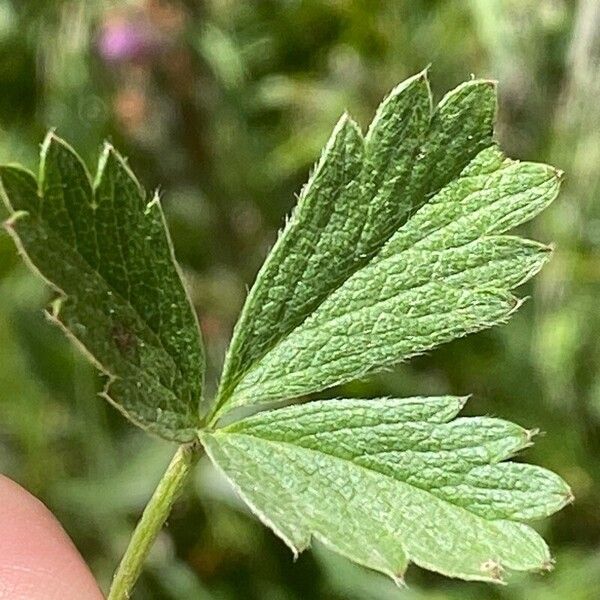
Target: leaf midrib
159,343
93,189
505,165
365,468
498,292
224,394
405,290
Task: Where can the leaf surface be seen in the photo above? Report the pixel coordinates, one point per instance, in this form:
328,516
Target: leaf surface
103,246
389,481
397,245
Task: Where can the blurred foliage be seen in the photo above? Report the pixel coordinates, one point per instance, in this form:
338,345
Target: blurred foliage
225,104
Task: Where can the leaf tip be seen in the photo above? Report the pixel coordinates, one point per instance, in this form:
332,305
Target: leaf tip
54,308
420,80
424,73
52,146
490,83
529,434
107,151
547,566
462,401
479,89
569,496
516,303
296,548
459,403
111,157
48,138
345,121
52,139
152,204
493,570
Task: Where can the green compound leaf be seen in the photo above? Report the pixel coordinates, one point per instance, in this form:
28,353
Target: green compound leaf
104,247
396,246
389,481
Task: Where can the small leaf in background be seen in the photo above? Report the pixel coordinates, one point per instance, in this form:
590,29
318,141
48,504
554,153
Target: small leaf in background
396,246
105,249
388,481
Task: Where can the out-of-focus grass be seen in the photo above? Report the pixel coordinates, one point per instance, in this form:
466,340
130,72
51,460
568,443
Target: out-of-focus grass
225,105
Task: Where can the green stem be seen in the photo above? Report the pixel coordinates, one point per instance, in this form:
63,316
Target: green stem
154,517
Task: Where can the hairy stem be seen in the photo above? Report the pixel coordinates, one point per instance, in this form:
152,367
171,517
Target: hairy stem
155,514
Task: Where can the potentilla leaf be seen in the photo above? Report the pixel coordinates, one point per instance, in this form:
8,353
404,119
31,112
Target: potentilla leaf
396,246
389,481
103,246
398,243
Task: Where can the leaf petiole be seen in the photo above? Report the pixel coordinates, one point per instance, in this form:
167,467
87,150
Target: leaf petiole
153,518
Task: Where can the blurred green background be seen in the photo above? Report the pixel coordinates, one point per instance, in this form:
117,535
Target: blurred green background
224,105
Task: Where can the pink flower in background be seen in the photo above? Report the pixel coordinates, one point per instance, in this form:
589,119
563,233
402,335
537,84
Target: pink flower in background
125,38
